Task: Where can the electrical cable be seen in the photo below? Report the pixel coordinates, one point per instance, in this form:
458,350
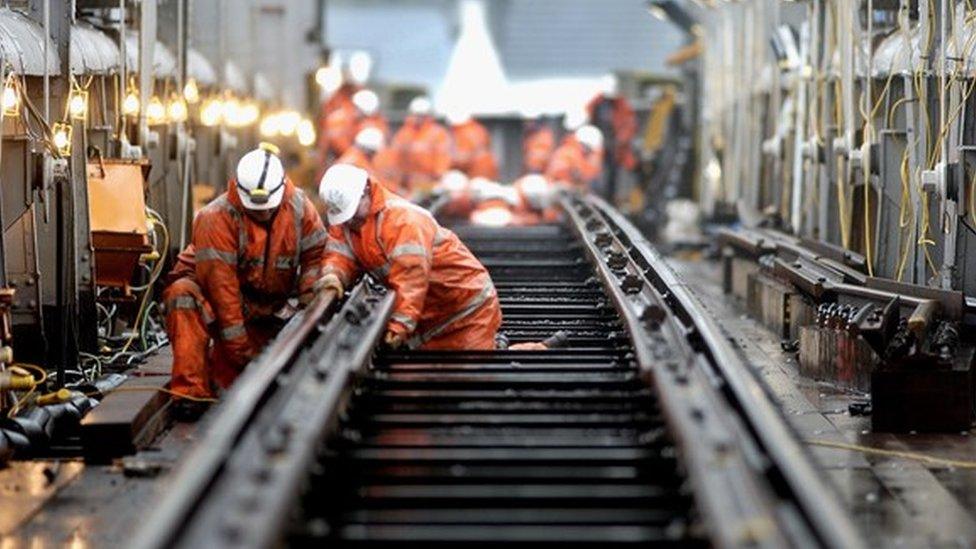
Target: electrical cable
914,456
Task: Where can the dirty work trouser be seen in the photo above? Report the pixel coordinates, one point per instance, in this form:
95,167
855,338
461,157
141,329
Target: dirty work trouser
198,366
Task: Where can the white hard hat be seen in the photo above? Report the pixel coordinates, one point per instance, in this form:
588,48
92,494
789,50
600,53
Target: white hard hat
341,189
485,189
536,190
420,106
609,85
366,101
481,187
261,178
454,181
574,119
370,139
456,117
360,66
590,136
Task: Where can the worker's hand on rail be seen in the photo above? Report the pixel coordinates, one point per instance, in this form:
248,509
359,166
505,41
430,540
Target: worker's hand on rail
393,339
330,282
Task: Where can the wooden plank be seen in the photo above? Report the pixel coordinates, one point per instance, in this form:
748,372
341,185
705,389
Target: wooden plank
126,420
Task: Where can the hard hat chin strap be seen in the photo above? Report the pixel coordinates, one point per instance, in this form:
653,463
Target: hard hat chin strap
260,195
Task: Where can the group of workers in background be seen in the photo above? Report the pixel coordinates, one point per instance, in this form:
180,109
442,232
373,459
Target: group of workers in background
262,249
425,157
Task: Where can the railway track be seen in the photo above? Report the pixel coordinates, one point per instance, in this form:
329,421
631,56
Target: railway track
644,426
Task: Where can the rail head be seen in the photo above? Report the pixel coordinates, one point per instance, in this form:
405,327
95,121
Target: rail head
781,498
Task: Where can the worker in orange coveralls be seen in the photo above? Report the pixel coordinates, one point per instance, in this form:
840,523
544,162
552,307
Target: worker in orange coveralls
471,146
255,255
423,149
369,153
338,120
612,114
579,159
444,296
538,144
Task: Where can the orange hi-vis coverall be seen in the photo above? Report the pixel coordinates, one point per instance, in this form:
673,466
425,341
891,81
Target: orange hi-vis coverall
444,296
537,148
380,166
423,149
337,122
471,150
357,157
341,126
231,280
570,163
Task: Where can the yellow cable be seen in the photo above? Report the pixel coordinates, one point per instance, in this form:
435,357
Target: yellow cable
972,200
164,390
154,275
841,194
914,456
867,136
21,402
905,224
144,389
34,367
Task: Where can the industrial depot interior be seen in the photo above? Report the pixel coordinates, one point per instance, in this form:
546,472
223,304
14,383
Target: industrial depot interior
492,272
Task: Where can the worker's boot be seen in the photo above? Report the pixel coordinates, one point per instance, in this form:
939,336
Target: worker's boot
188,411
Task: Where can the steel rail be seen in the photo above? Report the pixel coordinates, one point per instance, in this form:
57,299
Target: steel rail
783,458
264,435
753,481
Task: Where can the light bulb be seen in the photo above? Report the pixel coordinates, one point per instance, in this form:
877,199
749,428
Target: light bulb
78,104
289,122
155,111
211,113
11,100
62,138
250,113
177,109
270,125
130,105
306,133
233,113
191,92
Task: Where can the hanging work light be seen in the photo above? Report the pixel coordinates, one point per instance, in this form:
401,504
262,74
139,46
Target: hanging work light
11,97
191,92
62,138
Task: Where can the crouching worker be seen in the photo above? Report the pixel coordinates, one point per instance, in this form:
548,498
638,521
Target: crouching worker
255,247
444,296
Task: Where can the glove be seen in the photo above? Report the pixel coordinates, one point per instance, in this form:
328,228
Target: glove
287,310
393,340
330,282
